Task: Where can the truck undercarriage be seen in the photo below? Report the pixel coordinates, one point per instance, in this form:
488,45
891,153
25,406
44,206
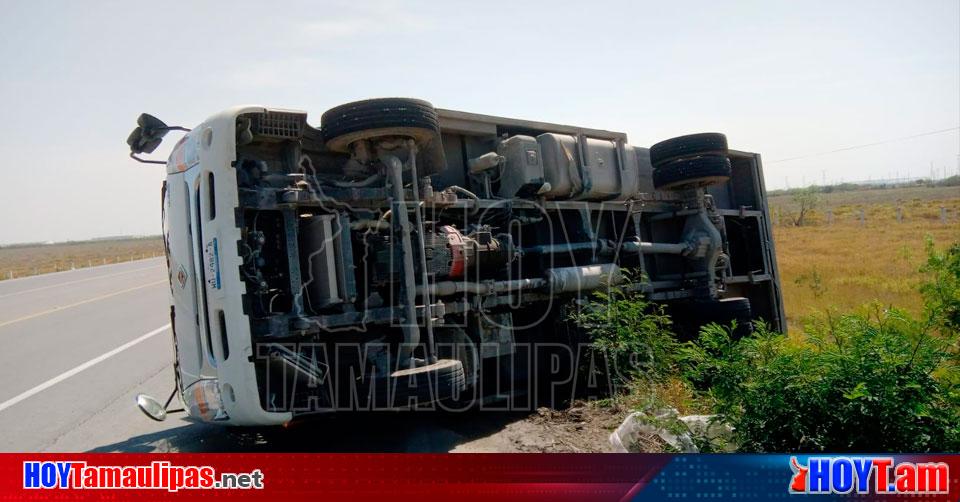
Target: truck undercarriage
400,255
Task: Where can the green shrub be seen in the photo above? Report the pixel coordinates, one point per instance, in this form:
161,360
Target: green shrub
632,334
875,382
878,382
941,293
858,384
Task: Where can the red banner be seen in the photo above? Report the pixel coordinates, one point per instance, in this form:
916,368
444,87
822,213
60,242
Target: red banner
292,477
501,477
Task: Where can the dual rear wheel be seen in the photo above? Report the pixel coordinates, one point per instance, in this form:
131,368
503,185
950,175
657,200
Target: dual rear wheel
692,161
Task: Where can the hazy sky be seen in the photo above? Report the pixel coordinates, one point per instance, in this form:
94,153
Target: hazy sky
785,79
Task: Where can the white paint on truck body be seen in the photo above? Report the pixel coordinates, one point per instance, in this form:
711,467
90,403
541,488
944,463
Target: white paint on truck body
201,234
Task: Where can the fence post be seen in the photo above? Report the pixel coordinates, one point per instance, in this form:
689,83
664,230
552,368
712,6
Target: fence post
11,274
862,219
899,214
829,216
943,215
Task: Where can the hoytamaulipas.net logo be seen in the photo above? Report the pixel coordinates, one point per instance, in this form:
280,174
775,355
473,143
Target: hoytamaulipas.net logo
868,475
159,475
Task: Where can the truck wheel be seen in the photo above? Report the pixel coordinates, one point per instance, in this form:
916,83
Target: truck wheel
692,172
373,118
424,385
689,317
453,343
705,143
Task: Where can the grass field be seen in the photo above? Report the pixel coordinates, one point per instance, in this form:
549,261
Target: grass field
32,259
845,265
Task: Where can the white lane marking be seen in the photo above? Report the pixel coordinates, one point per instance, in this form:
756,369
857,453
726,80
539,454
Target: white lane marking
41,288
89,300
63,376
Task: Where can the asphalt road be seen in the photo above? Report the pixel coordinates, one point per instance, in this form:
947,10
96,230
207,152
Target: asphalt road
79,345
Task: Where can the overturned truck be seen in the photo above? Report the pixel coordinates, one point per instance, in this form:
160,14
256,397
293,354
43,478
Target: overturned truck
401,255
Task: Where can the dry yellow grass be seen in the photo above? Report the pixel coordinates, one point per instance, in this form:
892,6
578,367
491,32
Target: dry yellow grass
846,265
32,259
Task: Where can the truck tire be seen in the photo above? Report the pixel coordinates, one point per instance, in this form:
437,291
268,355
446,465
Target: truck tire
705,143
372,118
692,172
689,317
421,386
453,343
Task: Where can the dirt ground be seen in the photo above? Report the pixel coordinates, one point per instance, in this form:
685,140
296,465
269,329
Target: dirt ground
585,427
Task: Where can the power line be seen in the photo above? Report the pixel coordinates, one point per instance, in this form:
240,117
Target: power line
863,146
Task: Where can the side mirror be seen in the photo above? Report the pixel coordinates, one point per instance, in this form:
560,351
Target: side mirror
151,407
148,135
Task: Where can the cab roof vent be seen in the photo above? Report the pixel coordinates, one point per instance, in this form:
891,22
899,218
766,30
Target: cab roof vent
280,125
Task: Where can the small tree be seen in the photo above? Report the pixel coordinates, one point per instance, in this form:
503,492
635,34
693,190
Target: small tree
807,199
